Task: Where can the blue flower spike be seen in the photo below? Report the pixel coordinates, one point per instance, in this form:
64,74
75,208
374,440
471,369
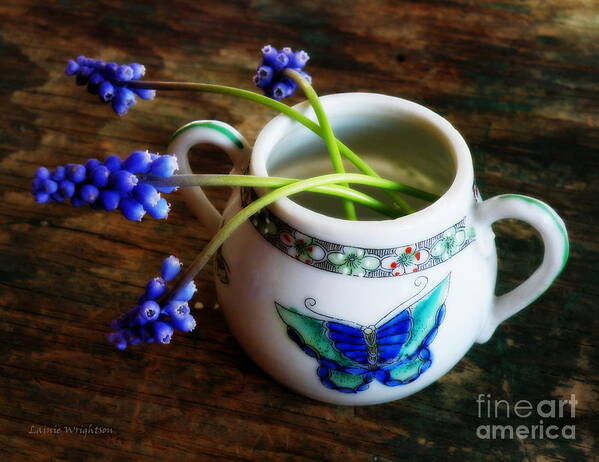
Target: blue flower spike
109,185
109,81
269,75
157,315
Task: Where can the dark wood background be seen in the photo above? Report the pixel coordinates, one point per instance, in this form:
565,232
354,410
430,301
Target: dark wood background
518,78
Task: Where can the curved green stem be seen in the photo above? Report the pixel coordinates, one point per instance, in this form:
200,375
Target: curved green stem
327,132
358,197
201,179
343,192
298,186
288,111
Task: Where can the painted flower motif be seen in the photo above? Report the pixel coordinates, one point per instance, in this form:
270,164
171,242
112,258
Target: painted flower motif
353,261
263,223
302,247
449,244
405,260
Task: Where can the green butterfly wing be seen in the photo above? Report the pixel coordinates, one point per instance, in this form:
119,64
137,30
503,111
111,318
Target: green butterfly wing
313,333
425,315
344,382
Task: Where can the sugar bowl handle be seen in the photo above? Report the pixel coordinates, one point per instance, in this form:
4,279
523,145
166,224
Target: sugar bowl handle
555,240
218,134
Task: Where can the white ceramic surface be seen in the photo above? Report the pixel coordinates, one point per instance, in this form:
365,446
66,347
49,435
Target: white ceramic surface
260,276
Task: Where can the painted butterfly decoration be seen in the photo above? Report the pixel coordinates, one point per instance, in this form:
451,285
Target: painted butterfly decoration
394,351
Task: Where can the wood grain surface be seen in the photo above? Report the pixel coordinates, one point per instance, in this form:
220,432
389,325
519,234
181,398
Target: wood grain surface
518,78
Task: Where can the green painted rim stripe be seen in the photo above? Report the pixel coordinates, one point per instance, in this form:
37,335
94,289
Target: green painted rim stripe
553,216
219,128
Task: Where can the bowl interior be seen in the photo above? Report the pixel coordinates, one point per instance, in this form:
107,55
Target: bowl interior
400,146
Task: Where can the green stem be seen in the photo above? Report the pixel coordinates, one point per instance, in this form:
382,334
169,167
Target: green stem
327,132
273,182
288,111
276,182
358,197
298,186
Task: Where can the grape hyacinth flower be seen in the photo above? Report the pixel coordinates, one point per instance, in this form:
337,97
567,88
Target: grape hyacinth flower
270,77
109,81
110,184
153,320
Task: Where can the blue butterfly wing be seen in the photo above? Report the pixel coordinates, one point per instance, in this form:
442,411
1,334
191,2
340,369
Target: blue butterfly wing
427,315
406,371
349,341
403,341
392,336
336,370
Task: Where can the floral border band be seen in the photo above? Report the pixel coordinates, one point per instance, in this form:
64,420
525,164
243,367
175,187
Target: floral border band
361,262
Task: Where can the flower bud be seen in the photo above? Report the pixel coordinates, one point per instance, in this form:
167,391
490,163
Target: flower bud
171,266
138,162
58,174
146,195
106,91
139,70
113,163
149,311
99,176
163,332
164,166
72,67
185,324
122,181
76,173
66,188
109,199
160,210
89,193
124,73
177,309
42,173
185,293
131,209
155,288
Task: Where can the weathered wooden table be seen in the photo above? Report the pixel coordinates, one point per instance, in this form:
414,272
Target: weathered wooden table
519,79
